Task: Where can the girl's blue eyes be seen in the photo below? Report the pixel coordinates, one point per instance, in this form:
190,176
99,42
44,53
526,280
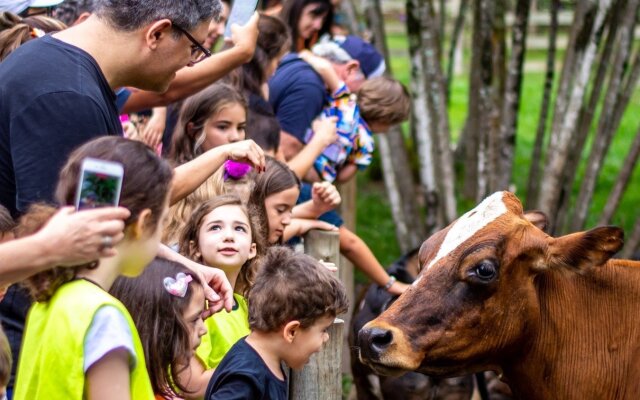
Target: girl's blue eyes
219,227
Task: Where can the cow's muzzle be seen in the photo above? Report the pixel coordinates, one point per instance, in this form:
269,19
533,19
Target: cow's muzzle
374,342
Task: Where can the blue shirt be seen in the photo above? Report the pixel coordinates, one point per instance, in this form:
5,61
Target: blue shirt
53,98
243,375
297,94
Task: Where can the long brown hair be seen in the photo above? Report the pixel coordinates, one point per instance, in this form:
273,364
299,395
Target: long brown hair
188,133
291,13
277,177
189,245
145,185
15,31
158,316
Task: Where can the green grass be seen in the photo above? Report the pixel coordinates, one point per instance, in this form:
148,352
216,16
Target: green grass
374,220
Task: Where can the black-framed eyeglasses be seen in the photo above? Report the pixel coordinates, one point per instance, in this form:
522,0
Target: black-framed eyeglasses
198,51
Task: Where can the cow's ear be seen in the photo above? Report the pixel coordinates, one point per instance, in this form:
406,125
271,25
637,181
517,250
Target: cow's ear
537,218
584,249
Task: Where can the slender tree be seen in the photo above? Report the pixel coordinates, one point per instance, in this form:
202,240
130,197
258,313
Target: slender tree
622,182
533,184
398,177
609,120
567,106
511,104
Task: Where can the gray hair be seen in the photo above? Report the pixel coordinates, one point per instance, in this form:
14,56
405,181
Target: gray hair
331,50
129,15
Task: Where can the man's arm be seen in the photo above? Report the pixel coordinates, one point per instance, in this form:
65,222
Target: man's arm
190,80
69,238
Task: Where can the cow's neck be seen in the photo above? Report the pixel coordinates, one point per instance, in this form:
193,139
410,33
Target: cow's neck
587,335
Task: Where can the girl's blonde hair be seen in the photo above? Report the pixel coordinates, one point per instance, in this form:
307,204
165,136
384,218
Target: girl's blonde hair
188,242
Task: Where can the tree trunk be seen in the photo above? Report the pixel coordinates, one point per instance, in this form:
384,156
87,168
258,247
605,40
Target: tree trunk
437,109
533,185
398,177
607,124
631,244
586,117
421,123
499,41
584,41
480,101
621,183
350,11
455,40
511,105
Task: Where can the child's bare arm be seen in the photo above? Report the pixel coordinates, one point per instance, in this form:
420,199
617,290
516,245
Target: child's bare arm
300,226
325,133
108,378
324,68
195,379
346,173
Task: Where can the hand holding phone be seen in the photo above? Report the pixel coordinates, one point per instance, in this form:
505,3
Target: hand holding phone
99,184
241,12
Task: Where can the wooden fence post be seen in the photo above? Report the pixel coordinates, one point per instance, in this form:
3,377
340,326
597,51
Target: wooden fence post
321,378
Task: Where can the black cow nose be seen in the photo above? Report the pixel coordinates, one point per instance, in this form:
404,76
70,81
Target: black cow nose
374,341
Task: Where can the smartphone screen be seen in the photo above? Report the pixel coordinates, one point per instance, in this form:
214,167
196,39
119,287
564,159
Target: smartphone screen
240,13
100,184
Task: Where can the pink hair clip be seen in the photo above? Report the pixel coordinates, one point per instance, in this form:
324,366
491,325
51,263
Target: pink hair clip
177,286
235,169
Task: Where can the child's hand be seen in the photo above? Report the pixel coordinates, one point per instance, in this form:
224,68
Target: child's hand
324,68
300,226
246,151
153,130
325,197
397,288
329,265
244,37
325,131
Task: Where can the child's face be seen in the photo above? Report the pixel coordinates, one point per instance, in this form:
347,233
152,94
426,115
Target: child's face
224,238
227,126
279,206
307,342
141,250
193,316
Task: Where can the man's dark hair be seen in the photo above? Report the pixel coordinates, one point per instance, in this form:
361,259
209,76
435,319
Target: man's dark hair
264,129
70,10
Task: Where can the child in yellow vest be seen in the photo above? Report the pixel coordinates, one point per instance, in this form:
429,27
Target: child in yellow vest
166,303
220,233
80,342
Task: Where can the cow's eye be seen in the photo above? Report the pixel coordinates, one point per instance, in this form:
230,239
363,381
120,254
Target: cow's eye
485,270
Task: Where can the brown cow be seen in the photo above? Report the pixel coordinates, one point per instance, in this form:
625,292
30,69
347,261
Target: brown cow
556,316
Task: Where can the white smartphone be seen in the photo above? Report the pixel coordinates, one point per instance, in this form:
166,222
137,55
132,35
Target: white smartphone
99,184
241,12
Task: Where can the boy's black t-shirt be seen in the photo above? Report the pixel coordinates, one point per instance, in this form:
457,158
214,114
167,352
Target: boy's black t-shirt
53,98
243,375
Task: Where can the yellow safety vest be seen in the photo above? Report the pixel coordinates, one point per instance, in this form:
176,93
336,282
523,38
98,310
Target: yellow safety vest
51,364
223,331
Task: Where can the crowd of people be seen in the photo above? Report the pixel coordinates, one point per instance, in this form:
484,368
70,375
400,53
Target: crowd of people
189,286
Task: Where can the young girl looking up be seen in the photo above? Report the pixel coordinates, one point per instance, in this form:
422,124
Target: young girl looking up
221,234
213,117
166,303
80,342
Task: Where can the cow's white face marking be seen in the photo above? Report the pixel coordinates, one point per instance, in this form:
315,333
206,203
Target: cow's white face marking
466,226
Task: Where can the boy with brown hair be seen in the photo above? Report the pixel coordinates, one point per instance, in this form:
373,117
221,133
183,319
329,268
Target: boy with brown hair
292,304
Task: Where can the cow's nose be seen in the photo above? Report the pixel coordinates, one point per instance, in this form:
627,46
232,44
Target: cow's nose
374,341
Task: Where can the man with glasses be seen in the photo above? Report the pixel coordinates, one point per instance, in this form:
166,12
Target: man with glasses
57,92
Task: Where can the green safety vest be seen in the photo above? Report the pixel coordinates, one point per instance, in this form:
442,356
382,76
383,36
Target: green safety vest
52,354
223,331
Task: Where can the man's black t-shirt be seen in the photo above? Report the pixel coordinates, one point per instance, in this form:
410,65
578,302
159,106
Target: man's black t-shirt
243,375
53,98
